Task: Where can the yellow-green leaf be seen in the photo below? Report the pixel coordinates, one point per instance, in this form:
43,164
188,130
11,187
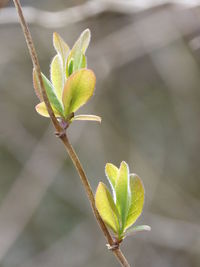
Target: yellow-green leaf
71,67
78,51
42,110
57,75
106,207
111,173
78,89
83,63
87,118
61,48
137,200
122,190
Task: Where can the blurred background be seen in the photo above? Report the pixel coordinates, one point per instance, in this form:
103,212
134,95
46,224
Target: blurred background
146,56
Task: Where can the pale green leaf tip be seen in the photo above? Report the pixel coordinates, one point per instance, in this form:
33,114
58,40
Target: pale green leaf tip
124,164
87,118
108,164
100,184
147,228
138,228
110,171
133,230
86,31
144,228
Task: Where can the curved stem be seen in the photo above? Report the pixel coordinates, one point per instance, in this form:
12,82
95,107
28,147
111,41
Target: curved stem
62,135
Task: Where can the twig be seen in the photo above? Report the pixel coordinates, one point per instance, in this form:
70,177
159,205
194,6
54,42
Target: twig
117,252
36,64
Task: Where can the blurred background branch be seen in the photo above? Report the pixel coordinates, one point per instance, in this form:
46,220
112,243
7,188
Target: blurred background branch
86,10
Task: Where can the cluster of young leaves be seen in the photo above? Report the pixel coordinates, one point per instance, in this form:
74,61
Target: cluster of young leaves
121,209
72,84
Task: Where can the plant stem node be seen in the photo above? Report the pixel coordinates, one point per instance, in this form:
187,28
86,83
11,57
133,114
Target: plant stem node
113,247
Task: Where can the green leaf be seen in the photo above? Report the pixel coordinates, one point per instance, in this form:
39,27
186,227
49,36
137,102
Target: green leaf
122,190
106,207
82,65
57,75
53,99
87,118
61,48
42,110
52,95
71,67
137,200
83,62
139,228
78,89
79,49
111,173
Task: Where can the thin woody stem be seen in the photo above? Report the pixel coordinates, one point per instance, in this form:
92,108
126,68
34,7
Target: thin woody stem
36,64
62,135
86,185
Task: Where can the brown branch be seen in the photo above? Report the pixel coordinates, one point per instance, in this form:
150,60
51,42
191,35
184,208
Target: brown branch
62,135
36,64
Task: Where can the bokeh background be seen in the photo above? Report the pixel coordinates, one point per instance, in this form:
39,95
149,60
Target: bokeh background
146,56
